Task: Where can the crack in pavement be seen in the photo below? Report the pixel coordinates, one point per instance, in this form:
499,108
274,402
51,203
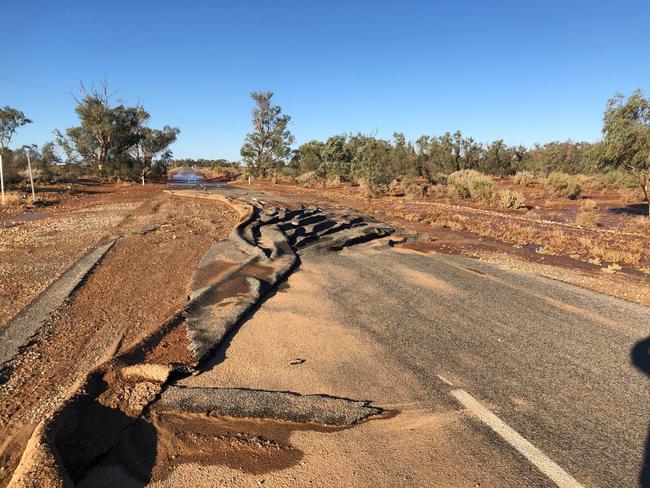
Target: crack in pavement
233,278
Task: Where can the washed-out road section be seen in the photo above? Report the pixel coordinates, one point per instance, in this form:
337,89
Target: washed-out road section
561,366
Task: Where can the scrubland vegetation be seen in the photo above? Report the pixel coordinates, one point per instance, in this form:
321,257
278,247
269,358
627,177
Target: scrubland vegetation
113,141
458,163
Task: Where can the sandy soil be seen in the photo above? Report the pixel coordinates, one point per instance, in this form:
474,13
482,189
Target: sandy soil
136,288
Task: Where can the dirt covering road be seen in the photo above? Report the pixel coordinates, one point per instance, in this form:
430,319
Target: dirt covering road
142,281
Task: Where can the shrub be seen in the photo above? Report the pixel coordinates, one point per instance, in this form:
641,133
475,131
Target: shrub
395,189
621,179
439,179
510,199
14,199
309,179
588,205
524,178
416,187
587,218
468,183
333,181
563,185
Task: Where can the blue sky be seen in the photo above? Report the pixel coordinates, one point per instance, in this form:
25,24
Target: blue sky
520,70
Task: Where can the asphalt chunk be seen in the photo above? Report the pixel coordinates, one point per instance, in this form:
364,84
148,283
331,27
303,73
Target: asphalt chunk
264,404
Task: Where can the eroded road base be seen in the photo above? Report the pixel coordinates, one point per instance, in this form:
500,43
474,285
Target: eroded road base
129,424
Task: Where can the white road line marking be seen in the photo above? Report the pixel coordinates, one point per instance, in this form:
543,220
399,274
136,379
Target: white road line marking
554,472
444,380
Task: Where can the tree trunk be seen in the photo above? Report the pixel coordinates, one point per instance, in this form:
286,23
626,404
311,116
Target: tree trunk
643,183
142,175
2,179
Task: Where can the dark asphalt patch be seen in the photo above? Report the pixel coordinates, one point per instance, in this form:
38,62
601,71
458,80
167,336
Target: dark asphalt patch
264,404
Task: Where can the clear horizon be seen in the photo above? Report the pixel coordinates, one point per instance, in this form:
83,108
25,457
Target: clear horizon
517,71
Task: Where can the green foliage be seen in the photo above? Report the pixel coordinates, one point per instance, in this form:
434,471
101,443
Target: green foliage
469,183
563,185
619,178
369,159
308,157
152,143
105,132
268,146
626,141
497,159
335,158
10,120
114,140
567,157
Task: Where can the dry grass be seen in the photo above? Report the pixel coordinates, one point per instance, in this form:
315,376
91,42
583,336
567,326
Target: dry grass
640,225
588,205
587,214
15,199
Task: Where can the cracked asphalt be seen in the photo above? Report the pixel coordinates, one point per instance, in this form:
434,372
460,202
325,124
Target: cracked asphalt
563,366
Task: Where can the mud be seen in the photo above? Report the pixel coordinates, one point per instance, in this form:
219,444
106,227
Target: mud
151,451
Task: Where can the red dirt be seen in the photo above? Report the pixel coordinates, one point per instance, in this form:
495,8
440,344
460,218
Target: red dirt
142,282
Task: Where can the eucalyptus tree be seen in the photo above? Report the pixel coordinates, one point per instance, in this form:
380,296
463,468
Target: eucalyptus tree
105,132
626,141
152,143
308,157
10,120
268,146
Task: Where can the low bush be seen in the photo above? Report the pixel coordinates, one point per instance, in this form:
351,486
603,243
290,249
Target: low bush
468,183
588,205
524,178
395,189
309,179
510,199
563,185
587,218
417,187
14,198
615,179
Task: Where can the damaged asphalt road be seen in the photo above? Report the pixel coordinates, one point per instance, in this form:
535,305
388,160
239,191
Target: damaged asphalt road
551,360
127,393
384,333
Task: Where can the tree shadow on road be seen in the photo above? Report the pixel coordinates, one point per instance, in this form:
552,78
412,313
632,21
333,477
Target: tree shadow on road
640,356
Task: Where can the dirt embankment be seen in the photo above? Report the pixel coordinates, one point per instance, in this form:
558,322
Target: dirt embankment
138,285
